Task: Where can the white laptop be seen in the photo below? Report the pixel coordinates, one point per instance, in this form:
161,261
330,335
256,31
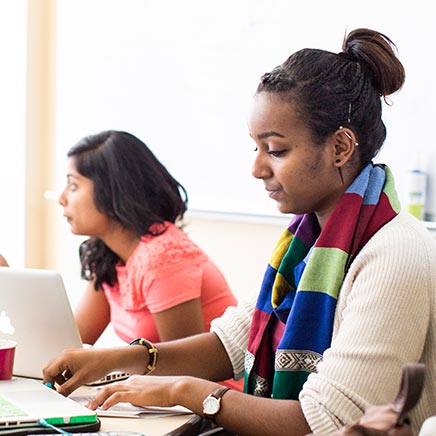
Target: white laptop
36,313
25,401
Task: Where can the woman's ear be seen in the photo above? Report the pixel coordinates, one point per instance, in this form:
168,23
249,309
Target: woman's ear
344,145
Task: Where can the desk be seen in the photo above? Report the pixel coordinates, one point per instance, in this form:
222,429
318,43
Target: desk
147,426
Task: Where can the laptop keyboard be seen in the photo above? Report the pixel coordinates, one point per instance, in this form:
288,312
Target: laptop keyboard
9,409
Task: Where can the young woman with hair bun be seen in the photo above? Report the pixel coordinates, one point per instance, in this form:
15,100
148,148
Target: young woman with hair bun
348,295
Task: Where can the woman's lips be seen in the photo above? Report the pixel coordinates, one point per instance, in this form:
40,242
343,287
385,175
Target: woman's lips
272,192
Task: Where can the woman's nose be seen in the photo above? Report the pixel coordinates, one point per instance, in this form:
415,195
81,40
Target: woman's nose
260,169
62,200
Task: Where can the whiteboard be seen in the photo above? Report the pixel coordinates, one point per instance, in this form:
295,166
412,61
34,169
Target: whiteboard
180,75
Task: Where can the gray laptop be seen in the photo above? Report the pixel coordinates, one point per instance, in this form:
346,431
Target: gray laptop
36,313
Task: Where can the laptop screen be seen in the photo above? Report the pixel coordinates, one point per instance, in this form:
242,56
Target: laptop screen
35,312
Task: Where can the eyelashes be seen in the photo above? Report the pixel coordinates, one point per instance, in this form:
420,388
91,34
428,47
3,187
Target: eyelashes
276,153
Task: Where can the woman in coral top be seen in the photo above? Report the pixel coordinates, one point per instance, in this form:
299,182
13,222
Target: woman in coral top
145,275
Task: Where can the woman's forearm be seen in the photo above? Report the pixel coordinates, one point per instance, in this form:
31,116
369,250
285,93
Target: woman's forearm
245,414
200,356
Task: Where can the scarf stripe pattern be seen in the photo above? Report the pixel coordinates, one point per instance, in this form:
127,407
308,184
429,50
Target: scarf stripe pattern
302,282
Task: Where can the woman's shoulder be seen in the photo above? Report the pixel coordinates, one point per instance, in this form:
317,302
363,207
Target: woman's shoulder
405,230
171,247
404,248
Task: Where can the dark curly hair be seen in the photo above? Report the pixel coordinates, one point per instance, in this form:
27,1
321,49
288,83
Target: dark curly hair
131,187
329,90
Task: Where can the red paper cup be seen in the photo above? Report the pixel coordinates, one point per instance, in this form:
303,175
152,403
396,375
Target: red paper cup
7,354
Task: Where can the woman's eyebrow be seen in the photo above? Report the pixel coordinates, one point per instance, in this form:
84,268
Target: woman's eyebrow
268,134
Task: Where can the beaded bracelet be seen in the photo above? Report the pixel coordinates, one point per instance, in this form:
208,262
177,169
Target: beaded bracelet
152,351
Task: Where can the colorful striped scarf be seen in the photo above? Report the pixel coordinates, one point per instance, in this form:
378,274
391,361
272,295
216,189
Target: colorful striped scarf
304,297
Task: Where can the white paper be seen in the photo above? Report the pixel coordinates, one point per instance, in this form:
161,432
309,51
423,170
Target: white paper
127,410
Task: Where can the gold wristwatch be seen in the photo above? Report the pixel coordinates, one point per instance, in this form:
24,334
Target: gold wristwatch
212,403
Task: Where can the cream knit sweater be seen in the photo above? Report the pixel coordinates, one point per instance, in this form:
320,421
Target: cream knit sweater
385,317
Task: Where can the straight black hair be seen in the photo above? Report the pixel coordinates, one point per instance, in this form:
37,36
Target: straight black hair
131,187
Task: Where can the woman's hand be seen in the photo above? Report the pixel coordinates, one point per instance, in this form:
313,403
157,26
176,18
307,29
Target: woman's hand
75,367
240,413
140,391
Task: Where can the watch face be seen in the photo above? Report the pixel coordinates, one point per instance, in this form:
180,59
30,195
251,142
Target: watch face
211,406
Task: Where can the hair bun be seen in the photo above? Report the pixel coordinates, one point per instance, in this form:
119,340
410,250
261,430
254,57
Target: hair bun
375,52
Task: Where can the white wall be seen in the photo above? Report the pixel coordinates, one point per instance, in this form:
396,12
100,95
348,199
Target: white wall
180,75
13,22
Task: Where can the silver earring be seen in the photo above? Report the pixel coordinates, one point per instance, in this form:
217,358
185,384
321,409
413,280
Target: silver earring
356,144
